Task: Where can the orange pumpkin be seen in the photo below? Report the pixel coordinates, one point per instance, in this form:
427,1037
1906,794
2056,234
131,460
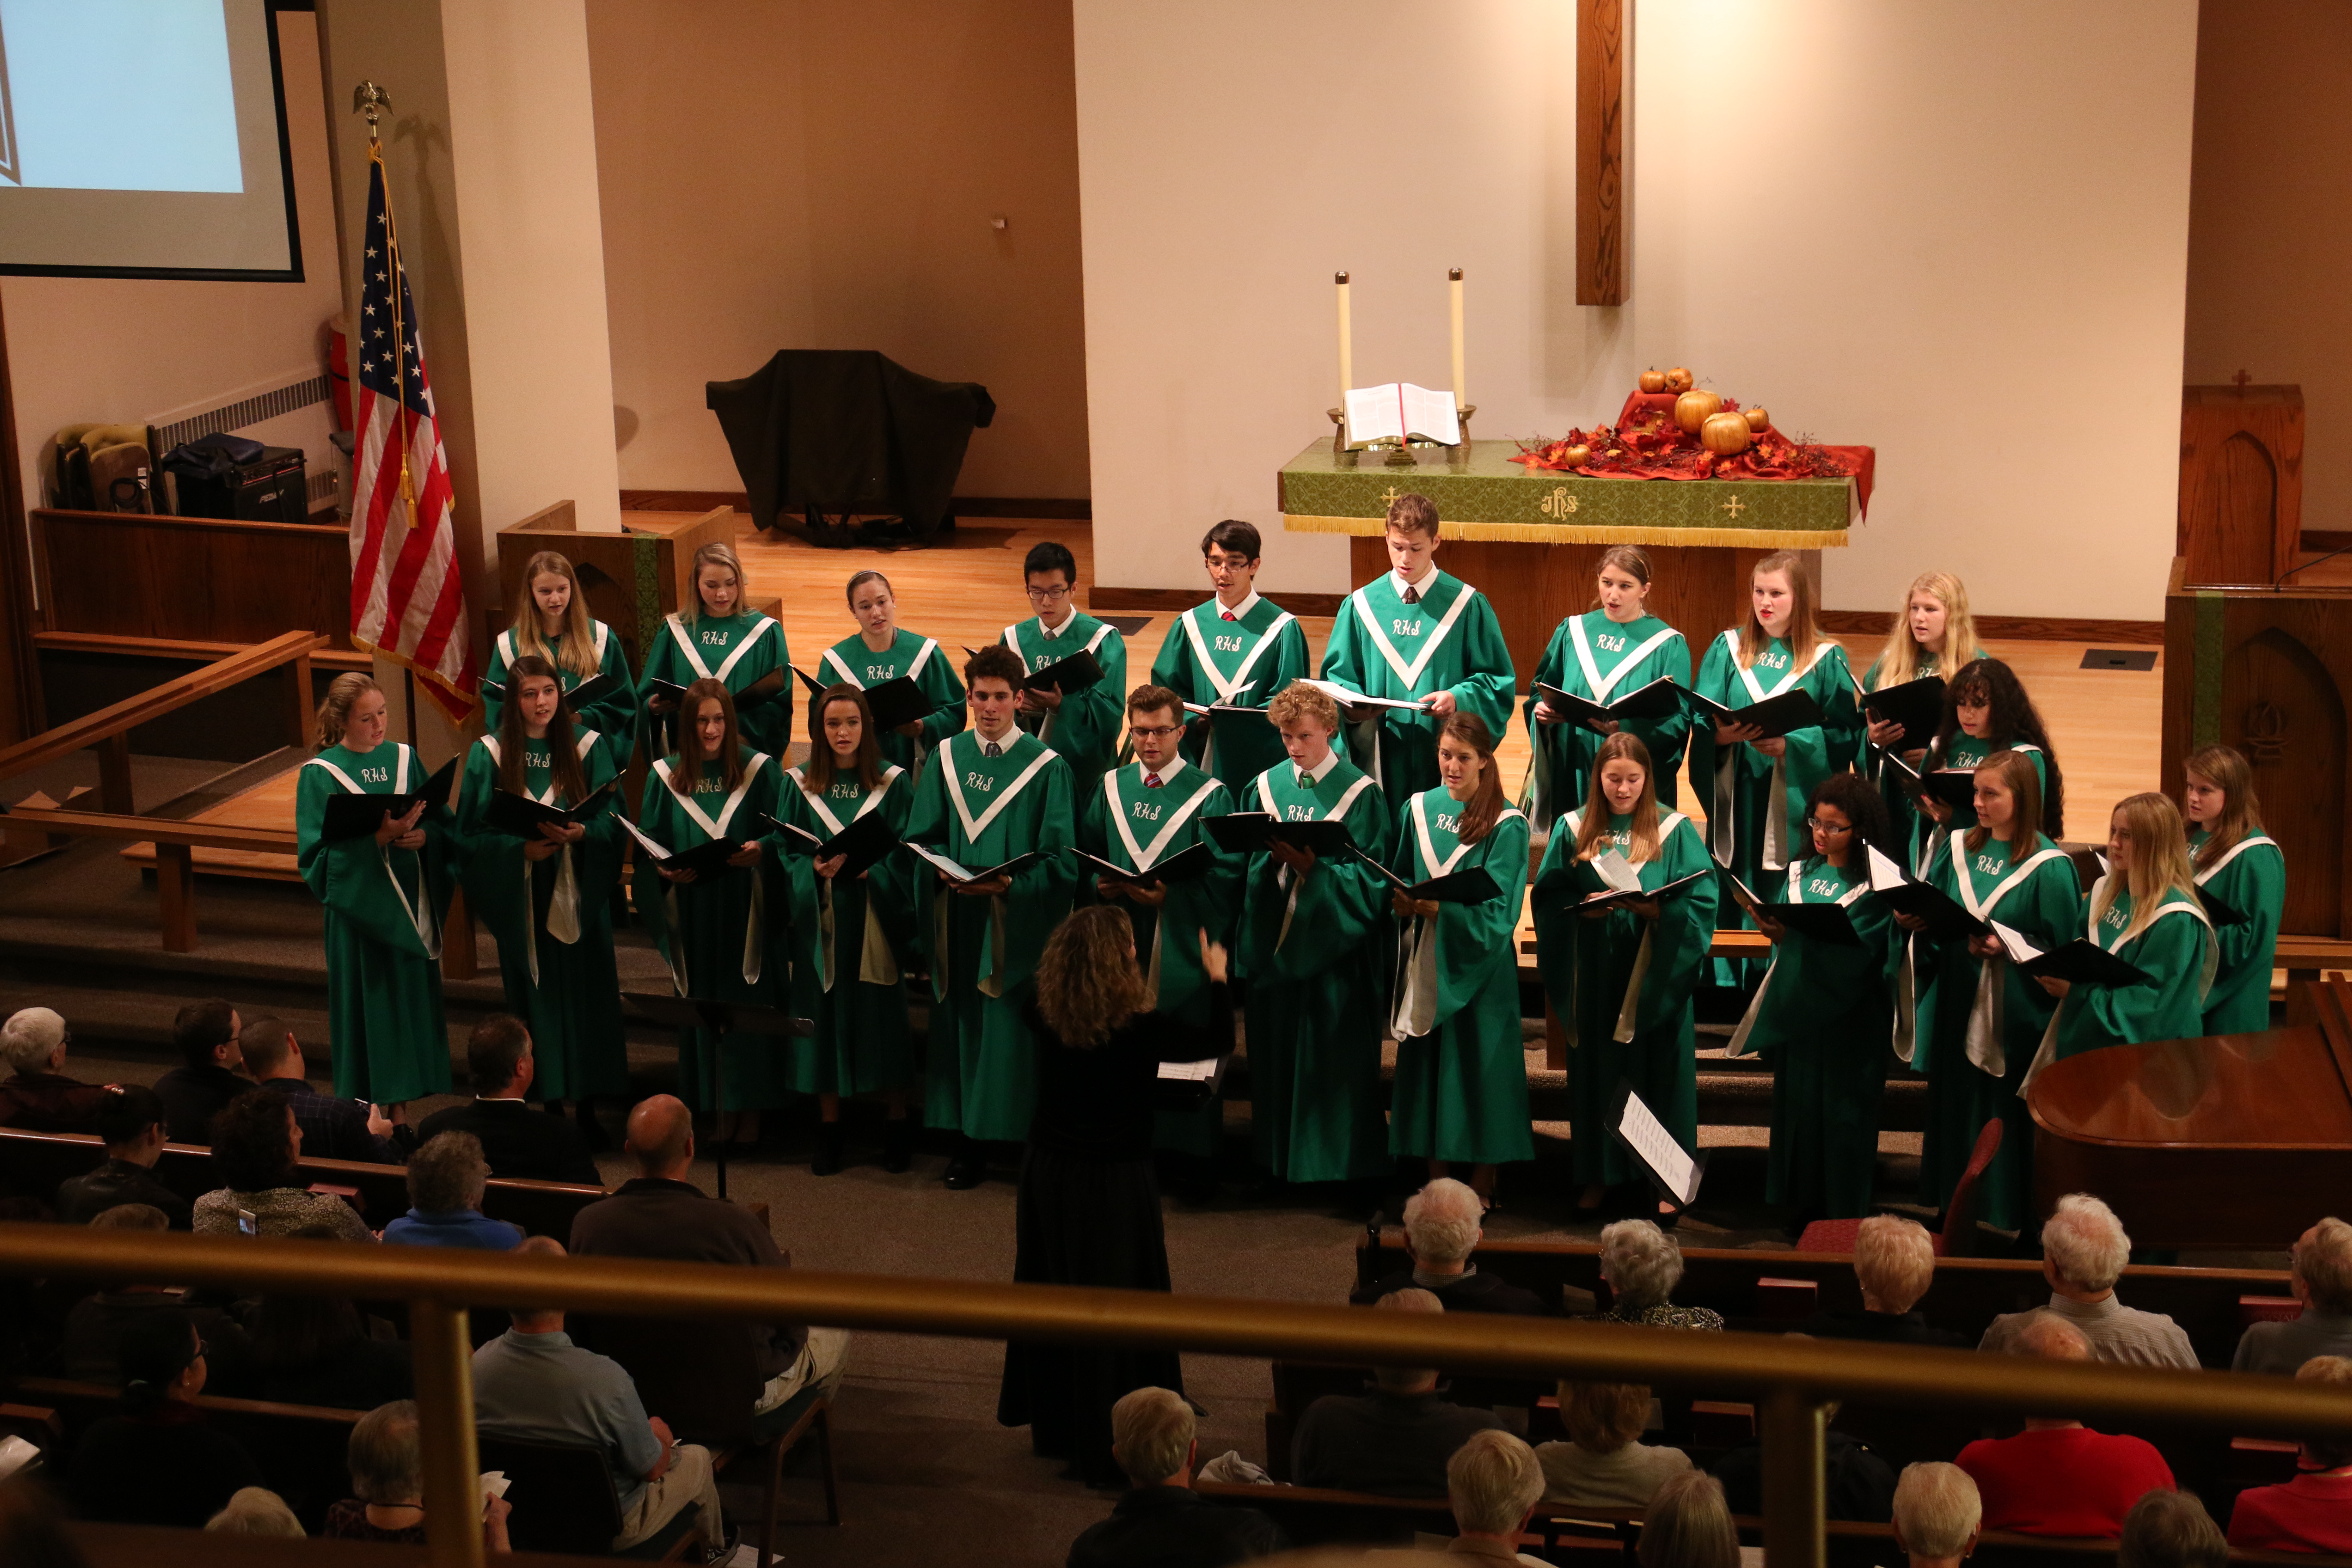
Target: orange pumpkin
1726,435
1758,420
1654,381
1693,408
1678,380
1577,456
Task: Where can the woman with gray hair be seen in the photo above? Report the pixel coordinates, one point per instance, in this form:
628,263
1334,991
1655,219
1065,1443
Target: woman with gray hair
1688,1525
1494,1483
1640,1264
387,1465
1937,1514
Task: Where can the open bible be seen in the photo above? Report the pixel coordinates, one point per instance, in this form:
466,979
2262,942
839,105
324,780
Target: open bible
1400,411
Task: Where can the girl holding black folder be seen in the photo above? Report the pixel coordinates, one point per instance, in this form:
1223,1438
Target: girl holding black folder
711,924
851,931
1979,1019
1461,1090
879,651
546,890
1933,636
1611,651
1986,711
385,892
1621,975
2243,868
717,637
549,620
2145,911
1824,1016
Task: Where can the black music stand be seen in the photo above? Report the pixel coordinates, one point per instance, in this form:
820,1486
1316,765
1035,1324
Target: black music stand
722,1019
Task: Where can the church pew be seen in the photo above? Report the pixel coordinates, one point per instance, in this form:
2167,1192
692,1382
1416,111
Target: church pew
35,1163
1967,1294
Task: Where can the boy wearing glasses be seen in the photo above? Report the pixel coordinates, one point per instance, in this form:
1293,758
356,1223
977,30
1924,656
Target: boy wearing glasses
1143,814
1082,725
1235,651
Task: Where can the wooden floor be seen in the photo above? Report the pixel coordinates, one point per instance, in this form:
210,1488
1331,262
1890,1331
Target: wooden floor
2104,724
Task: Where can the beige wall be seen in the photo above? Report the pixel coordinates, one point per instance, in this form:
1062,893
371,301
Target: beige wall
1901,225
820,173
128,349
2271,222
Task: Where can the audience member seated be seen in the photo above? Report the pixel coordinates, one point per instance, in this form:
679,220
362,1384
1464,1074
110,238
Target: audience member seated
659,1214
1394,1440
256,1510
2058,1477
1162,1523
1858,1484
446,1179
1643,1264
2319,1272
521,1141
37,1096
255,1146
1936,1515
333,1127
1604,1463
1442,1228
2312,1512
211,1074
129,1122
1494,1484
1688,1525
2170,1529
316,1350
90,1351
2083,1250
1895,1262
159,1462
33,1528
533,1384
387,1465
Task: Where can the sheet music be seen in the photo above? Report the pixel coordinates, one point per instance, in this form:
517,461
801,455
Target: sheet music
651,848
942,862
1883,873
1618,872
1658,1148
1347,698
1190,1072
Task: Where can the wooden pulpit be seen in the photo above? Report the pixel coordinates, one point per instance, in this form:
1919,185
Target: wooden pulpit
632,578
2241,517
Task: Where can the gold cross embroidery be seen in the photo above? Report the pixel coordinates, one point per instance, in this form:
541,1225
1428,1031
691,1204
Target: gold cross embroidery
1392,496
1734,508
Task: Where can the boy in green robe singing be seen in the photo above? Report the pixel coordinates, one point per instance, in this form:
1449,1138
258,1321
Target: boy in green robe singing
1145,813
992,793
1315,996
1235,651
1415,635
1081,725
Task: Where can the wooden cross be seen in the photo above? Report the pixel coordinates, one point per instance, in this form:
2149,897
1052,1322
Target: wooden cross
1603,136
1734,508
2241,378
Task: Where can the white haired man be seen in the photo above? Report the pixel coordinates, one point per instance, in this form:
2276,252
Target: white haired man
2083,1250
1163,1522
1495,1484
2320,1275
1442,1229
2058,1477
1893,1262
37,1096
1937,1515
1394,1440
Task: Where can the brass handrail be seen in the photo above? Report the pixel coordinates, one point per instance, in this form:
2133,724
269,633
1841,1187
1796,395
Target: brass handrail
1791,1380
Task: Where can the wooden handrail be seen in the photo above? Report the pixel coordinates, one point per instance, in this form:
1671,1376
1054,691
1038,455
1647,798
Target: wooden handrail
159,830
125,645
93,729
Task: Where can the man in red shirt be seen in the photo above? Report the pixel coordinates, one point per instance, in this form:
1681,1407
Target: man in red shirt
2312,1512
2060,1477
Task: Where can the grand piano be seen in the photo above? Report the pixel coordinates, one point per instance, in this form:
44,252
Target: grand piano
2233,1142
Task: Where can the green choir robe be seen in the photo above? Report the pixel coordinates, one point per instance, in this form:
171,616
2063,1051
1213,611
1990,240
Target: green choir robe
1823,1020
2175,949
851,662
1447,641
552,920
850,939
2251,879
1756,804
1085,729
1980,1021
1596,657
384,909
1236,658
1965,751
980,1066
734,650
715,931
612,716
1314,1005
1902,813
1461,1066
1135,827
1623,987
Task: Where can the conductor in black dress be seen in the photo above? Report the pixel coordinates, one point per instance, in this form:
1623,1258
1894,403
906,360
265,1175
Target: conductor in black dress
1088,1208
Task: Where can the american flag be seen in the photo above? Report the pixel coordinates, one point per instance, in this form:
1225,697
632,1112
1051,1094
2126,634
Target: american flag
408,598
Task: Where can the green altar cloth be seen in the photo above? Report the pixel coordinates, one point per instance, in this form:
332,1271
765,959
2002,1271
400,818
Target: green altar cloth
1490,497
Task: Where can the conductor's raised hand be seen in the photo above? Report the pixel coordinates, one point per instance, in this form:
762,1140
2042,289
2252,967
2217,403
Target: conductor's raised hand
1213,959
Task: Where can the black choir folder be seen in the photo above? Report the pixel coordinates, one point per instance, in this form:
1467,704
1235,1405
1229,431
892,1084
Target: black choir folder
1905,894
710,856
954,872
1075,673
1775,716
1916,705
359,815
1955,787
2079,961
1474,885
1655,700
1249,832
894,702
1822,922
865,841
1674,1171
595,687
656,687
522,817
1182,866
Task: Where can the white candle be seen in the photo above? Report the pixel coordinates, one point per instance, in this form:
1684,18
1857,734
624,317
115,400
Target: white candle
1454,284
1347,344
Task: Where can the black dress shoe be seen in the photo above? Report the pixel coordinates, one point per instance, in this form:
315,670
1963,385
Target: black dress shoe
827,1161
966,1167
898,1144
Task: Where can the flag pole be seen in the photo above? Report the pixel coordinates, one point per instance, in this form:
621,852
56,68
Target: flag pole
374,102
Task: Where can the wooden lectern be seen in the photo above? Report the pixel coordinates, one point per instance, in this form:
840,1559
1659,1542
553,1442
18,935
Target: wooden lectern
632,578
